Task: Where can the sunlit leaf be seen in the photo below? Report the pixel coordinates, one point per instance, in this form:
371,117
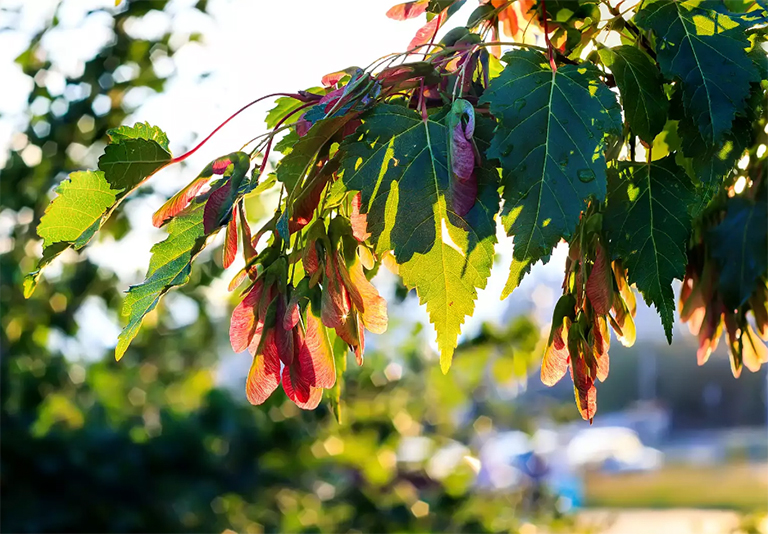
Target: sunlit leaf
648,224
400,165
550,141
705,49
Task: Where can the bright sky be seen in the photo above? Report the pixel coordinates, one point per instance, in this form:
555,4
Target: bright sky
250,48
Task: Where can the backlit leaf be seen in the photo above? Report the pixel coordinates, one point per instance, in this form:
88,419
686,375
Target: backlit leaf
129,163
705,49
140,130
739,244
170,266
550,141
401,168
642,89
648,225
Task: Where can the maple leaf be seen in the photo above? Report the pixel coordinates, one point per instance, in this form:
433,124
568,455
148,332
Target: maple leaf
739,245
705,49
641,87
408,10
648,224
170,266
550,140
134,154
400,166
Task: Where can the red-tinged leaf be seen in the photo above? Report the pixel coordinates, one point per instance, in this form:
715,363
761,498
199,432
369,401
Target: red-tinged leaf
584,388
304,210
709,333
555,362
359,220
602,344
364,296
220,165
360,347
428,32
310,258
214,208
284,338
244,319
600,283
734,345
249,252
176,204
263,379
336,305
230,243
514,18
620,275
316,354
754,352
302,126
408,10
303,395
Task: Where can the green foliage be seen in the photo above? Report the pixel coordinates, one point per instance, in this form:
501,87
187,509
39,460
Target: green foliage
740,247
549,140
400,165
706,50
642,89
81,201
648,224
405,165
72,217
170,266
127,163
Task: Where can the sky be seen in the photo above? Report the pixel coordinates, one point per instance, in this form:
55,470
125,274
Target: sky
249,48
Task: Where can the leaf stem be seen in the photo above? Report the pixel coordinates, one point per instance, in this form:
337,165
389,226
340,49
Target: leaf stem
550,48
268,150
220,126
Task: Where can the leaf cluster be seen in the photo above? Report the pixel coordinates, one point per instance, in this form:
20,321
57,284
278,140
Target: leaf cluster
638,138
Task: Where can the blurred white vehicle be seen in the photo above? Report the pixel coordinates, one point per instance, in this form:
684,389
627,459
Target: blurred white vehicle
612,449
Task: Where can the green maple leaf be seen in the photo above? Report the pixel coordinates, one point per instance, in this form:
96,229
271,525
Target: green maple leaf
140,130
135,153
706,50
711,166
549,139
648,225
642,89
170,266
128,163
739,244
72,218
400,165
296,163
